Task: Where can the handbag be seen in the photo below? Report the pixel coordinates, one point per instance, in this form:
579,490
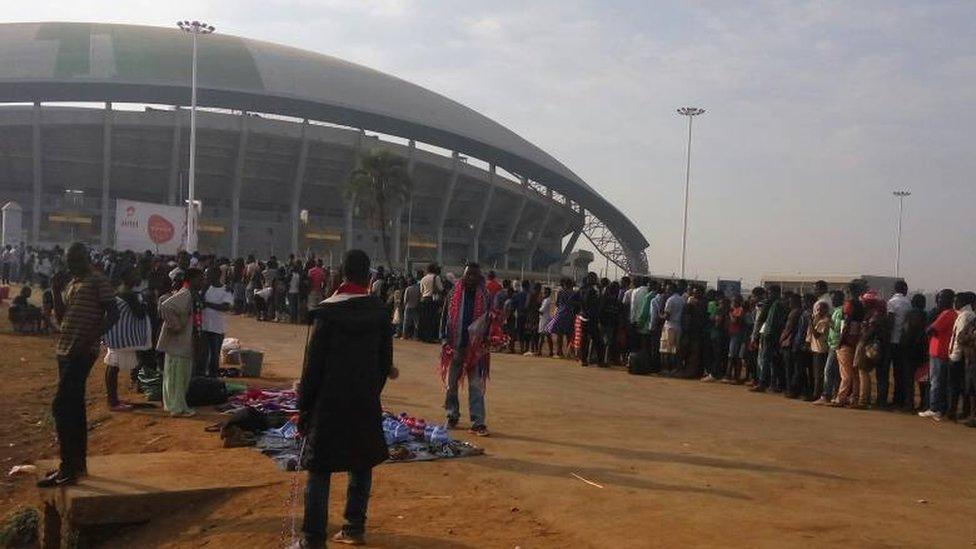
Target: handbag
872,350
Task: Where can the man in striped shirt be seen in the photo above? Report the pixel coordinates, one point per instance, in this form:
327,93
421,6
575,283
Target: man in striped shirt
85,309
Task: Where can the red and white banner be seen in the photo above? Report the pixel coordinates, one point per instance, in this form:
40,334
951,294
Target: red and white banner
141,226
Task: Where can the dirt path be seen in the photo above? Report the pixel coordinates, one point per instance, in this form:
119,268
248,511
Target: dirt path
678,463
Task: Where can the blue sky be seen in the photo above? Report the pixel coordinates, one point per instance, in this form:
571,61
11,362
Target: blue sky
816,111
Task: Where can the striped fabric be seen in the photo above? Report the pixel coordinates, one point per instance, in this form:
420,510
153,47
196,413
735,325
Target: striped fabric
129,332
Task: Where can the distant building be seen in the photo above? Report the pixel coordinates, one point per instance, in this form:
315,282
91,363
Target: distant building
801,284
577,264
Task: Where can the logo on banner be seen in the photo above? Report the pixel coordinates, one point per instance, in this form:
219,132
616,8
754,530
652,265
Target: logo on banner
160,229
130,219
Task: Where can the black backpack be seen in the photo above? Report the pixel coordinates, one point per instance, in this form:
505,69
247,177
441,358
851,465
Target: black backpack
206,391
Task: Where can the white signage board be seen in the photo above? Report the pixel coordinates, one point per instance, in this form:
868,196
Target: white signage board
141,226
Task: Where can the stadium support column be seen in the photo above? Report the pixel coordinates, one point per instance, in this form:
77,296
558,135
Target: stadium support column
348,232
476,241
36,157
296,189
572,242
235,207
174,157
516,220
530,253
446,205
397,238
106,173
401,249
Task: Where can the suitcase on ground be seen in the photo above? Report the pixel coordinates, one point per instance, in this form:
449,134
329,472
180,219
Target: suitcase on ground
639,363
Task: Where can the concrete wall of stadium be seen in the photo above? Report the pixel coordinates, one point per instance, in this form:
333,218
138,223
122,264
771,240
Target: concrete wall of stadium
254,176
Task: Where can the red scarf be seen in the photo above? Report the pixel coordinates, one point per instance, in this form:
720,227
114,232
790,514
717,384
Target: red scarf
350,288
477,354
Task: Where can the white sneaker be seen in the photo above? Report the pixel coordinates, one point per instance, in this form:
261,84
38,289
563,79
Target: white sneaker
708,379
936,416
926,413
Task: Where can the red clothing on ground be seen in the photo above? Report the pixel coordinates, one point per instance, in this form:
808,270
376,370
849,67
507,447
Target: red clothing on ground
941,330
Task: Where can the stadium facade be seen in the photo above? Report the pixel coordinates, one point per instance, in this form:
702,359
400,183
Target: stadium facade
279,134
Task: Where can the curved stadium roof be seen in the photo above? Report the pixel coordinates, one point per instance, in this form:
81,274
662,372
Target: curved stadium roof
141,64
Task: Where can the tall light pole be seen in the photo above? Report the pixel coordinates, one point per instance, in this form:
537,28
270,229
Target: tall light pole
194,29
901,195
691,113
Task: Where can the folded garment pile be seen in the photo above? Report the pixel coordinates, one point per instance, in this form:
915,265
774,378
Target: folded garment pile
267,420
413,439
263,400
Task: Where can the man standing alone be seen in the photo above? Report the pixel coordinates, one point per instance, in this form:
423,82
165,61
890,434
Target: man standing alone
85,310
465,329
350,356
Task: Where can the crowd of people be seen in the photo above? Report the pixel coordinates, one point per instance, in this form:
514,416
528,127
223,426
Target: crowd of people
848,348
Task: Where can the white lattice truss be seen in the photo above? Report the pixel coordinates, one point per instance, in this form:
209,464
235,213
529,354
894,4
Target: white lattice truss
606,244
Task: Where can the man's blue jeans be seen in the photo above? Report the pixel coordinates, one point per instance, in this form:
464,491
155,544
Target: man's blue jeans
476,393
767,354
317,504
831,375
938,378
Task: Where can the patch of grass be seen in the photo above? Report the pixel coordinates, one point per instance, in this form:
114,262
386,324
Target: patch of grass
20,527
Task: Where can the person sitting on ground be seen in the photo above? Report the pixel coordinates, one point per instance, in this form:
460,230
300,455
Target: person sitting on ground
349,358
24,317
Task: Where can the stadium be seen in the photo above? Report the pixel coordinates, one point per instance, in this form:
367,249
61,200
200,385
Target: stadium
97,112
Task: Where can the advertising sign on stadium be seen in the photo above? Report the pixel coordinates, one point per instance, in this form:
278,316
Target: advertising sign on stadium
141,226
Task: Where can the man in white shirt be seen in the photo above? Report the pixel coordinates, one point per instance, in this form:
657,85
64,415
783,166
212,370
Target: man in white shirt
217,300
671,333
898,307
431,291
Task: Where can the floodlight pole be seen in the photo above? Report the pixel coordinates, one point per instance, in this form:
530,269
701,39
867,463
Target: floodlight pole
901,195
691,113
193,28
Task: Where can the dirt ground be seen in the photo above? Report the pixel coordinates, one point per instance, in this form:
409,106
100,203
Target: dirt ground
677,463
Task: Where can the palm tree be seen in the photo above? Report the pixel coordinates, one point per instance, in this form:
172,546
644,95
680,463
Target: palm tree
378,186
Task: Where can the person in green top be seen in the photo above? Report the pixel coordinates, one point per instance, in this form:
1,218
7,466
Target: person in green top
831,372
647,322
771,320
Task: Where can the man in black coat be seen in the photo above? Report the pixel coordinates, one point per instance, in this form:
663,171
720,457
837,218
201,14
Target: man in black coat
349,358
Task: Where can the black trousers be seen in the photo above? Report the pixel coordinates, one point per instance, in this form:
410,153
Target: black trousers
956,385
212,342
428,320
653,343
899,367
591,343
800,382
70,421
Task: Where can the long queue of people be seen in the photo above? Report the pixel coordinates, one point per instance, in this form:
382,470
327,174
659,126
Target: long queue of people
846,348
